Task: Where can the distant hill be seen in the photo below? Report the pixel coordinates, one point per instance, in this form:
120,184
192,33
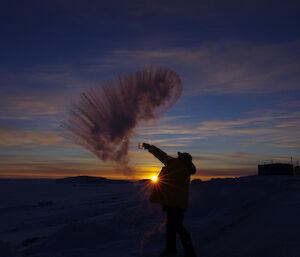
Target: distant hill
146,180
89,179
196,181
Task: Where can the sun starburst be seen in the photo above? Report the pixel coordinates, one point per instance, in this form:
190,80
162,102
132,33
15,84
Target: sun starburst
154,178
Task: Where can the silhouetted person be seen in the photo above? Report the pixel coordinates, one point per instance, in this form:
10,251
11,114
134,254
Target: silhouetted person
172,190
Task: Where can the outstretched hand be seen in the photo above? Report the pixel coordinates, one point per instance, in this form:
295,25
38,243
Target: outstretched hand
146,146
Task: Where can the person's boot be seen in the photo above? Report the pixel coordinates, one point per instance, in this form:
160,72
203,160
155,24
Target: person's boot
168,252
170,249
188,247
189,250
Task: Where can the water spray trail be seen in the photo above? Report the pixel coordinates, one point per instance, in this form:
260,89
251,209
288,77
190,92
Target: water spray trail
105,117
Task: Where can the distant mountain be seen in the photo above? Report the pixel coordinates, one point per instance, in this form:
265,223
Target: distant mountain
196,181
89,179
143,181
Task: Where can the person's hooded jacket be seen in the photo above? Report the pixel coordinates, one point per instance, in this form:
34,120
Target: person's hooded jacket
172,186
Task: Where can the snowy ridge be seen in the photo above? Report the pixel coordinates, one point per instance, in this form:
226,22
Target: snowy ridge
250,216
89,179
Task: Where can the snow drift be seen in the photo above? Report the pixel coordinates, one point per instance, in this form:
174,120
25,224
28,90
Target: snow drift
251,216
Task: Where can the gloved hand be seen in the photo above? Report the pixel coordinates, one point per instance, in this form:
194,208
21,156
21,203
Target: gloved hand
146,146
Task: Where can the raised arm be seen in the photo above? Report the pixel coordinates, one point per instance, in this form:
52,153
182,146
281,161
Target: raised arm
158,153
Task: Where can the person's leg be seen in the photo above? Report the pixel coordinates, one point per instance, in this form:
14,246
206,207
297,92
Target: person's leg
170,233
184,234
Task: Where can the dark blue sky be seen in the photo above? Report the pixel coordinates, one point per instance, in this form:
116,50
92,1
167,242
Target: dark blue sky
239,62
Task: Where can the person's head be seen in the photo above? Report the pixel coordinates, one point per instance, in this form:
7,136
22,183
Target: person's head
184,156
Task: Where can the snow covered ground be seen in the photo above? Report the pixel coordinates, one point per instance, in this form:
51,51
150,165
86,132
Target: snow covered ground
250,216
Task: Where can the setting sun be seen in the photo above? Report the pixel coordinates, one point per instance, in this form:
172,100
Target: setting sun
154,178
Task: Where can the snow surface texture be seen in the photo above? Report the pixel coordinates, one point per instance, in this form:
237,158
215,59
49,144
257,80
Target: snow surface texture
250,216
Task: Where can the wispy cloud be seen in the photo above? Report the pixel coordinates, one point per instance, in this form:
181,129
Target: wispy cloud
269,127
229,67
28,107
54,170
291,104
10,137
41,165
39,90
222,68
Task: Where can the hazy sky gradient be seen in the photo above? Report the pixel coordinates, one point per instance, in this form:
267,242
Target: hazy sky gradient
239,62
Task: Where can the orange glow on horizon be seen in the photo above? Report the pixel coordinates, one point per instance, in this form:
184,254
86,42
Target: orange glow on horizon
34,174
